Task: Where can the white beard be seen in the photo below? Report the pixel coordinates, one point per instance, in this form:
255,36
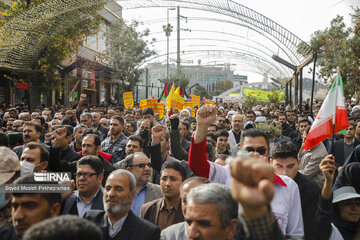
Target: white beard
118,209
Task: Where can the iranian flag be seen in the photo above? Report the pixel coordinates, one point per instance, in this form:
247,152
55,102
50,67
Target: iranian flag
164,93
332,111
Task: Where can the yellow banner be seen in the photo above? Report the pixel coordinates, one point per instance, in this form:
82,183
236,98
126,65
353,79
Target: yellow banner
196,100
160,109
143,104
128,100
209,102
177,102
262,95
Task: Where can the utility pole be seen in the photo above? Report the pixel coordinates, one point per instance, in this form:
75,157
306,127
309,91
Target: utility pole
178,42
167,29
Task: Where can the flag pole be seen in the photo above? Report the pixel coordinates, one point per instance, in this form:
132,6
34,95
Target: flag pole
334,119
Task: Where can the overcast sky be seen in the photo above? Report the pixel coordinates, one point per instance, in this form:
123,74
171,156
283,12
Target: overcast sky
301,18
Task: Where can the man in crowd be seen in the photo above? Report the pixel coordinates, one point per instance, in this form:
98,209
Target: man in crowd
220,122
285,162
103,132
90,146
18,125
86,119
34,158
167,210
139,164
31,133
29,209
298,140
118,221
67,153
89,194
76,143
9,172
115,144
212,212
222,143
250,116
235,132
343,147
310,160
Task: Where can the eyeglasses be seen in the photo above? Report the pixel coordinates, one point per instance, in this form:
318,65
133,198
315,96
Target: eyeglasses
142,165
85,174
260,150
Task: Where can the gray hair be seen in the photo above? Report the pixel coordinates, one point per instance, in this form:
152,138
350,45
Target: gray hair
86,114
215,193
131,177
79,126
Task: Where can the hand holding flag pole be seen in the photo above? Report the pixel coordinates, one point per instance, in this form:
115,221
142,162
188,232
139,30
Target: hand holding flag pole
332,117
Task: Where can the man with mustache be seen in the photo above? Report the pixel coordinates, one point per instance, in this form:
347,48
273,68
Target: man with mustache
31,133
139,165
29,209
118,221
89,194
167,210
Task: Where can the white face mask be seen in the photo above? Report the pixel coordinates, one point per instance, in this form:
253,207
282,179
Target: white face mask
26,168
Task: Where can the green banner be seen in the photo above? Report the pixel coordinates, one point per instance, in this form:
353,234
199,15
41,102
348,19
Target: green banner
263,95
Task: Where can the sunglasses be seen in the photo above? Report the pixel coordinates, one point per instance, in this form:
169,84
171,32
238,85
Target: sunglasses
260,150
142,165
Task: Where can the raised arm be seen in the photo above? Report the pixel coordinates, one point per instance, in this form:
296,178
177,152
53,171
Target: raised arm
55,163
79,108
176,149
197,154
323,214
252,186
157,132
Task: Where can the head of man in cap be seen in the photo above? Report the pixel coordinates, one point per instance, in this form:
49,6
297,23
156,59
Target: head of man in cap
9,171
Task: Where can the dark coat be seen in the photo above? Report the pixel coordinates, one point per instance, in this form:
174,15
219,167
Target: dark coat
69,155
339,151
309,196
70,201
349,176
58,165
150,211
133,228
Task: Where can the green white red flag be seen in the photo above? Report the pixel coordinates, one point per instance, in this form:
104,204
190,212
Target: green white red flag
332,111
164,93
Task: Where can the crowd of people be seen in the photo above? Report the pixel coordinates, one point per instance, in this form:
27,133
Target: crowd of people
217,171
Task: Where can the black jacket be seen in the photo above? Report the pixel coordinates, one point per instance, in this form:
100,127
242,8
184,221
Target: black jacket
339,151
133,228
309,195
58,165
69,155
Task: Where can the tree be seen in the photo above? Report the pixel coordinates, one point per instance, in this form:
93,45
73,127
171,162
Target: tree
222,86
128,50
60,44
249,102
180,80
201,91
339,47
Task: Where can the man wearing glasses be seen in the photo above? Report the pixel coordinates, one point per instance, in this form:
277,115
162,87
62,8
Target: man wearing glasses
139,165
89,193
286,202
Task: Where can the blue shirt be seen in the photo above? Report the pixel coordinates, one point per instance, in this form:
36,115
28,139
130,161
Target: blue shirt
83,207
139,200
